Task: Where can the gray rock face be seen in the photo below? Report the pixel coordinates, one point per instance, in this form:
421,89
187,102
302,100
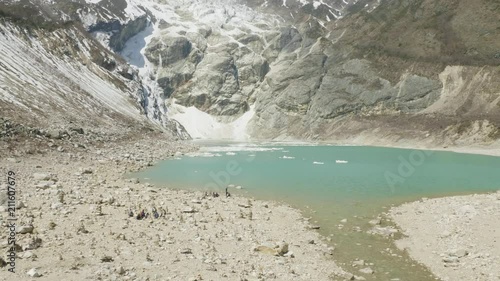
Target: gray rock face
317,88
166,50
214,85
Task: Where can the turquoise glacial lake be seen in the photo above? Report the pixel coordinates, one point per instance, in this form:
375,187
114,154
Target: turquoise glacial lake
331,183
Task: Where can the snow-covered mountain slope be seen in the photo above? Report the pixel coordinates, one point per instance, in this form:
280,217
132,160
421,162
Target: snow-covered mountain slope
52,77
197,43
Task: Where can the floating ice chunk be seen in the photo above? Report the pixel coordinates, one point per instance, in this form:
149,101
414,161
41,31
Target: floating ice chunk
318,163
201,154
288,157
239,148
230,153
341,161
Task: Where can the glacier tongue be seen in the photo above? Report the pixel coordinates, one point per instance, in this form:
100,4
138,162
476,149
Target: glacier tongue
227,22
201,125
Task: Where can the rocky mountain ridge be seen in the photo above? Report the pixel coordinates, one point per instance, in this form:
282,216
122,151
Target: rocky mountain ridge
346,71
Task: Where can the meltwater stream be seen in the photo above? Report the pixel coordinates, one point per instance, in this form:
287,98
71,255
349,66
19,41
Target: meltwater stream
332,183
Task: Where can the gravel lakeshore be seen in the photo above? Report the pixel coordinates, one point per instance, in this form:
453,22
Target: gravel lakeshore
74,224
458,237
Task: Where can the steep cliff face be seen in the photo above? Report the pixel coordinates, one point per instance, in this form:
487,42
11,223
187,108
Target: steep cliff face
413,70
62,75
54,74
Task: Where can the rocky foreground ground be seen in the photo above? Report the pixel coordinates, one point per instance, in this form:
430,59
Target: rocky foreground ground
74,224
458,238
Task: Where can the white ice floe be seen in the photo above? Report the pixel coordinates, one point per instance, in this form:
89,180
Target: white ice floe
203,154
288,157
341,161
230,149
318,163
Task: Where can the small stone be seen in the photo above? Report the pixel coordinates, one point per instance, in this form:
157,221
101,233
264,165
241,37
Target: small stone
82,229
86,171
27,255
374,222
189,210
20,205
54,134
343,220
106,259
98,210
445,234
349,276
459,253
78,130
33,273
41,176
367,270
358,262
45,184
331,250
52,225
282,249
450,259
211,268
314,227
25,229
266,250
34,244
289,254
56,205
120,270
185,251
60,196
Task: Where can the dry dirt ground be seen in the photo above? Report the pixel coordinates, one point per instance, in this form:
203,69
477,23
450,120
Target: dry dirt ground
458,238
74,224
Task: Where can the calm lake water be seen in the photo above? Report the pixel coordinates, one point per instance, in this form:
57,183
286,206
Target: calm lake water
331,183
